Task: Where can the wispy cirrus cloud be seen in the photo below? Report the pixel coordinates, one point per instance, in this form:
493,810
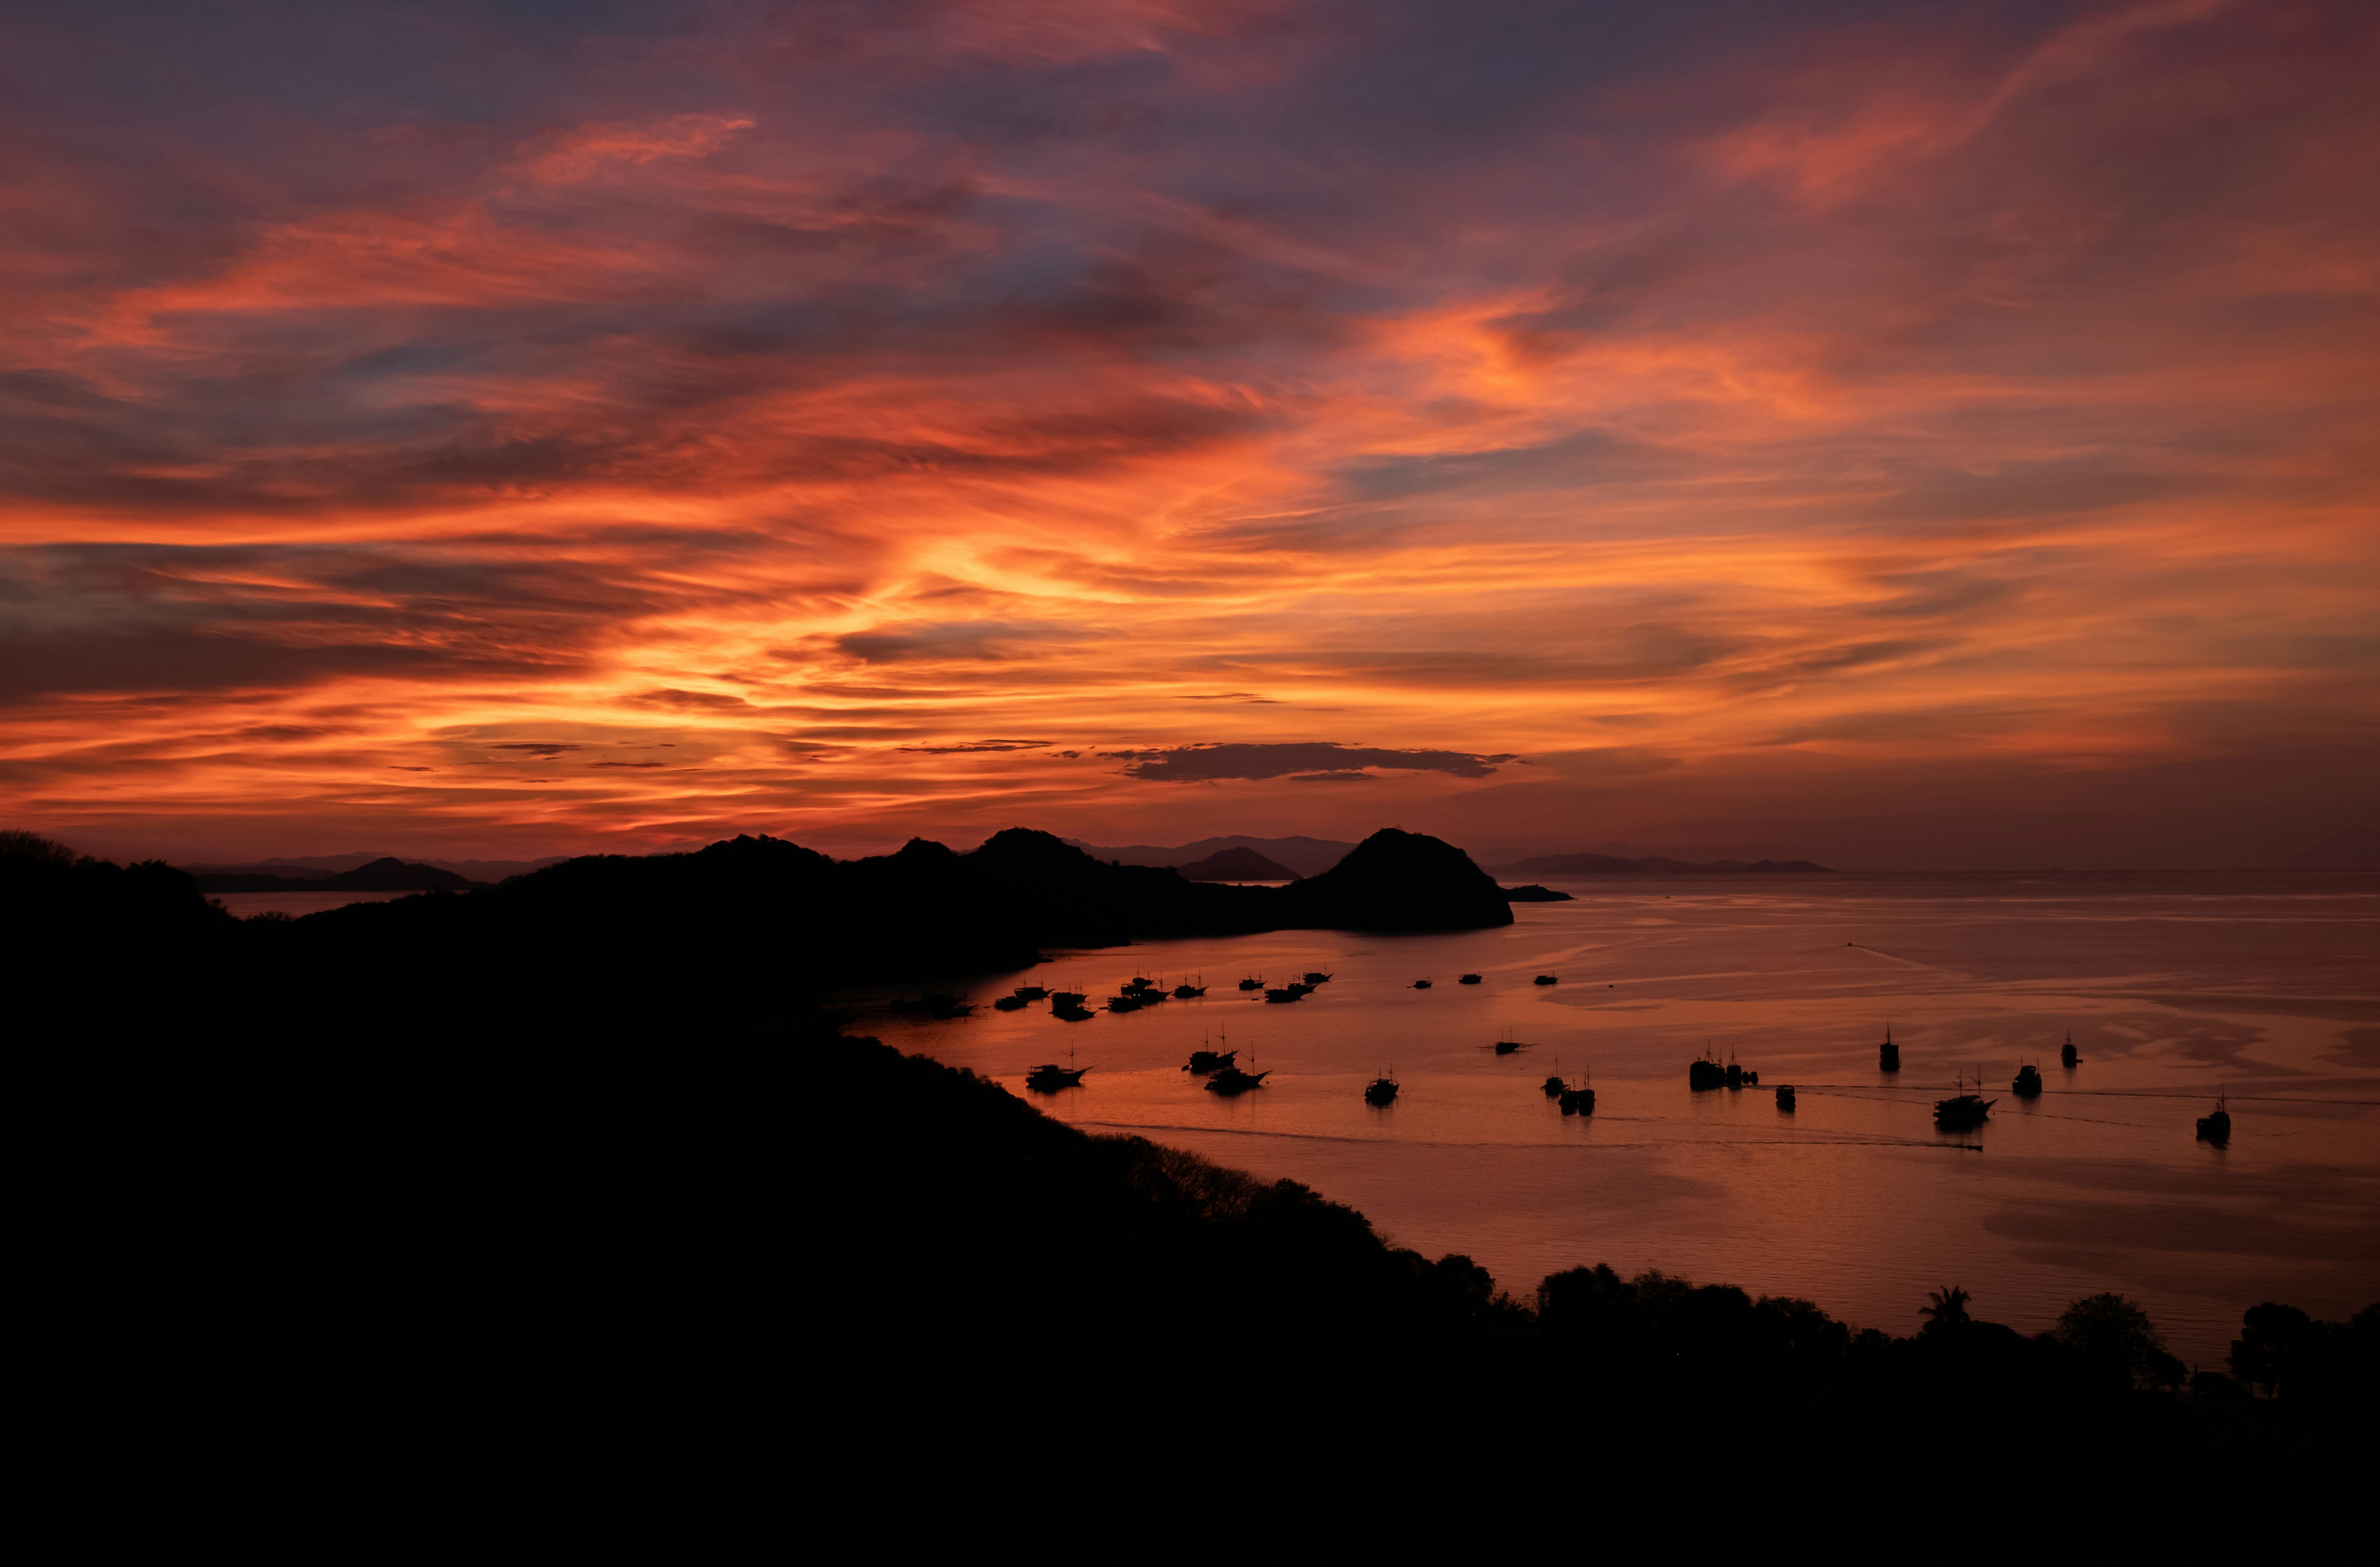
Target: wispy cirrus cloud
1823,402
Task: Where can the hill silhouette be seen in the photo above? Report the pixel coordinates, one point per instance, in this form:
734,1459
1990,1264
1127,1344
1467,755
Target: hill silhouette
388,874
578,1156
1306,856
1237,865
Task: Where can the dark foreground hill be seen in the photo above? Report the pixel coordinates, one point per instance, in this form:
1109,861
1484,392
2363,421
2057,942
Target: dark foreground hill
575,1171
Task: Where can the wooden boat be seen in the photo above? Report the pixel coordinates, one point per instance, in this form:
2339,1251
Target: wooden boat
1383,1090
1421,985
1888,1055
1705,1074
1205,1064
1578,1101
1316,977
1468,980
1964,1111
2216,1128
1187,991
1231,1081
2028,1082
1785,1097
1028,993
1506,1047
1737,1077
1125,1002
1048,1077
1066,998
2066,1056
1252,983
1545,979
1285,993
1072,1011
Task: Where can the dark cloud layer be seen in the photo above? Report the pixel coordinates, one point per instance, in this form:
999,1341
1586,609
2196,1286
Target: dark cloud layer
1195,764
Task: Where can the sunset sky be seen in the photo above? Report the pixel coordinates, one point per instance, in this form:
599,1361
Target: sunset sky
1896,435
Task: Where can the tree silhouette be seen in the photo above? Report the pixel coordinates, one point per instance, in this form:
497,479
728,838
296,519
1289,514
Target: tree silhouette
1949,1310
2118,1337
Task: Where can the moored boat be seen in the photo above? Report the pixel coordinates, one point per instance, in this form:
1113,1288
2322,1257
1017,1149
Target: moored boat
1205,1064
1888,1055
1962,1111
1468,980
2066,1056
2028,1082
1547,980
1506,1047
1705,1073
1383,1090
1578,1101
1253,982
1421,984
1316,976
1048,1077
2216,1128
1010,1003
1785,1096
1231,1080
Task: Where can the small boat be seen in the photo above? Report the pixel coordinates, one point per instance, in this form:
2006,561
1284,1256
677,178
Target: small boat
1066,998
1030,994
1383,1090
1072,1011
1231,1081
1506,1047
1555,1087
1286,993
1545,979
1125,1002
2216,1128
1737,1077
1252,983
1578,1101
1705,1074
1421,985
1048,1077
1187,991
2066,1056
1010,1003
1205,1064
1468,980
2028,1082
1888,1055
1964,1111
1140,982
1316,977
1785,1097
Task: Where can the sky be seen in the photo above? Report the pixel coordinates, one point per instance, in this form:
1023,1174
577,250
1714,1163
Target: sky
1900,435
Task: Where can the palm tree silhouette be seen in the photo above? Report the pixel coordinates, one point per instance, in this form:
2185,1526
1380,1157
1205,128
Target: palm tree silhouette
1949,1306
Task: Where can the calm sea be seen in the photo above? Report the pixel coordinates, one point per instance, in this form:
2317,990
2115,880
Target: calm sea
2263,986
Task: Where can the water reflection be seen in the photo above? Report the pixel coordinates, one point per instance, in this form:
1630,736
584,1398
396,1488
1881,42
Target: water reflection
2173,988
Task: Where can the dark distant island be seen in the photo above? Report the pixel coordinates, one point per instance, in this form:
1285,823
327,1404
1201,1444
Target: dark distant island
1237,865
1534,893
1304,857
388,875
1612,865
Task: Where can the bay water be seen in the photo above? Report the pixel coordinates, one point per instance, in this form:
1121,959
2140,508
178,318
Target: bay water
2264,987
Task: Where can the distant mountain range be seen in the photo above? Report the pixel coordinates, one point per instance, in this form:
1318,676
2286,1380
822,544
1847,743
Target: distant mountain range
387,874
2349,848
305,868
1612,865
1300,856
1237,865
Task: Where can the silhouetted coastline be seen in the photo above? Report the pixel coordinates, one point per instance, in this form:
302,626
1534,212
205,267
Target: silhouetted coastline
582,1141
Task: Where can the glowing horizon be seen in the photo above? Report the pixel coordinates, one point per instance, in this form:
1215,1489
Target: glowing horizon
1889,435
